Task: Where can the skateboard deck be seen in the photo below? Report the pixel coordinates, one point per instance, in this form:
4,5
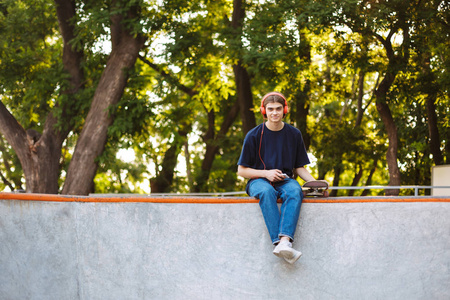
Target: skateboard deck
315,188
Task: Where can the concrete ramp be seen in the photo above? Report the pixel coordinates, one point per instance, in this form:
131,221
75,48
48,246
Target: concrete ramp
56,247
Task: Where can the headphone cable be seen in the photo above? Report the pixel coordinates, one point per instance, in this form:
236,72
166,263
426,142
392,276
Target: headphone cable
260,141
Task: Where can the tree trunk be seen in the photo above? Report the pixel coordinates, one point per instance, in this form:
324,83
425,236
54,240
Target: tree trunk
243,84
302,107
337,175
213,146
302,96
244,97
435,142
17,138
360,112
385,112
389,123
397,60
163,181
447,147
302,111
429,88
39,154
34,152
65,10
369,178
356,180
187,155
92,140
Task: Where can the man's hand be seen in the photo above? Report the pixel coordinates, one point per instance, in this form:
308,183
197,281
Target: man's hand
274,175
271,175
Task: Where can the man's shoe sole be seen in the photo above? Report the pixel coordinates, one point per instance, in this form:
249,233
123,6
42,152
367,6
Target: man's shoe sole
291,256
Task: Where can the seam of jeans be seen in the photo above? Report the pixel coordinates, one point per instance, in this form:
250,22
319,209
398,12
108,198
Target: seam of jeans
284,209
281,190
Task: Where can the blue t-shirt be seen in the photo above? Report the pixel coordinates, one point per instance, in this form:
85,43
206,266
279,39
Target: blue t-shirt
283,150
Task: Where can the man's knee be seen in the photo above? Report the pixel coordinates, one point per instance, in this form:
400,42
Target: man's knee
267,192
293,190
261,188
298,194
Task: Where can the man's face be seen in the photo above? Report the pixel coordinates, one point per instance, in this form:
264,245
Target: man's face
274,112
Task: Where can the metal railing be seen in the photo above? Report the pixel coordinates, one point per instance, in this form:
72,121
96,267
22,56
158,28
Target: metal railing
218,194
416,189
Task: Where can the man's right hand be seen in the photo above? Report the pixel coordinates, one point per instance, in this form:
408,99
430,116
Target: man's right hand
274,175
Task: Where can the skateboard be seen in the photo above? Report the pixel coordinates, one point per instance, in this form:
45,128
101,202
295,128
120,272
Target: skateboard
315,188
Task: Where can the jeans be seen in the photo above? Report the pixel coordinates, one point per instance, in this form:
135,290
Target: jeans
279,223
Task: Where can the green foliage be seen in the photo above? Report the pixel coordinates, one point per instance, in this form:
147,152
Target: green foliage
29,69
118,176
311,49
11,174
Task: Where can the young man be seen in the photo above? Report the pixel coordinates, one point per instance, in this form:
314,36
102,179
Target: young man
272,155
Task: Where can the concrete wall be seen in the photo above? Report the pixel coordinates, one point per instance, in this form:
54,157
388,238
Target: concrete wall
73,250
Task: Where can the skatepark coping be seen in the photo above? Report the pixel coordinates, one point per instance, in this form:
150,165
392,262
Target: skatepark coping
180,198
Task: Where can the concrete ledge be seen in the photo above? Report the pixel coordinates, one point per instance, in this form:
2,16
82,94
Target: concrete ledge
63,247
205,200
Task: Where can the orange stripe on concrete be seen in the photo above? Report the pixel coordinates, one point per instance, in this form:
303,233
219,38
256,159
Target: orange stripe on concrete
171,199
204,200
377,199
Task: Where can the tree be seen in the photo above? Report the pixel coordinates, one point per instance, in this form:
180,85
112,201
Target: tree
125,45
242,78
372,21
429,21
361,77
207,99
40,153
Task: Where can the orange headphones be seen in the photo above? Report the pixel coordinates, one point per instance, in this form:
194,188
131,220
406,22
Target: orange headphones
263,109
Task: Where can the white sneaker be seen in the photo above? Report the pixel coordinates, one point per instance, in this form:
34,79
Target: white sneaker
281,246
294,256
284,249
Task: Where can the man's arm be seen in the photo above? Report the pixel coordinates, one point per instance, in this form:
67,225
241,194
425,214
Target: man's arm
304,174
250,173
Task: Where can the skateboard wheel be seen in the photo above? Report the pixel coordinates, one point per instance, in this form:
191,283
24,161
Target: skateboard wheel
325,193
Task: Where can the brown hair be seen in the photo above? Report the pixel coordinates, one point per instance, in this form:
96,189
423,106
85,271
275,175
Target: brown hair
273,97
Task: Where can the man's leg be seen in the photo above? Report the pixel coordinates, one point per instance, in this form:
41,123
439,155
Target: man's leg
264,191
291,196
